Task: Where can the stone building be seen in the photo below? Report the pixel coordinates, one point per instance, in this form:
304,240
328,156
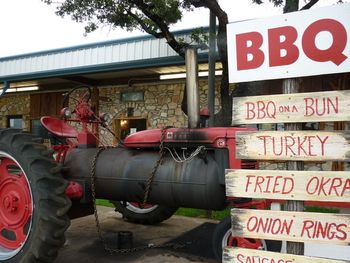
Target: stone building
136,80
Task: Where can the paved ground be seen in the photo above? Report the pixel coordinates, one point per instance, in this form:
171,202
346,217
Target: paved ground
84,246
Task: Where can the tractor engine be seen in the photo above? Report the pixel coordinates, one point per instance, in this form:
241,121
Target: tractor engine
196,179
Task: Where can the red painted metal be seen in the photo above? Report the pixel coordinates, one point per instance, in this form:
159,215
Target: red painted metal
74,190
16,206
140,205
58,127
242,242
83,111
210,137
87,138
204,112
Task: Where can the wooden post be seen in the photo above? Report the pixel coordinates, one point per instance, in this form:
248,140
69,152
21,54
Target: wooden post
95,101
292,86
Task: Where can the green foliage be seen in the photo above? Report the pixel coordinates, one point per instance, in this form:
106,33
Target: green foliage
193,212
127,14
321,209
275,2
103,202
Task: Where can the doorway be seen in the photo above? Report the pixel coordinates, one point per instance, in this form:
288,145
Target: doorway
129,125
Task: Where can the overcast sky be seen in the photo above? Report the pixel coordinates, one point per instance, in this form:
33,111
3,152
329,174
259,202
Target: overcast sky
30,25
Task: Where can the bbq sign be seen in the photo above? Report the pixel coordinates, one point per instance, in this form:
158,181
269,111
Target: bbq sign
303,43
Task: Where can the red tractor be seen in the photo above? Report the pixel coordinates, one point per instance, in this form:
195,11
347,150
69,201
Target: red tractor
168,168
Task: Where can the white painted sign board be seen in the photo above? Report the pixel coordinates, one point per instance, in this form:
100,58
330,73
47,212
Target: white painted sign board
299,107
293,145
289,185
243,255
304,43
291,226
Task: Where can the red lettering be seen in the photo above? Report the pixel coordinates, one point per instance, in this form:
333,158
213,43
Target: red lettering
336,182
268,183
285,190
322,143
259,181
321,230
307,226
276,45
322,186
335,52
251,225
346,187
311,146
343,233
261,110
335,107
315,106
275,191
318,111
264,138
249,44
273,226
250,111
308,186
309,110
290,142
248,182
240,258
274,144
300,145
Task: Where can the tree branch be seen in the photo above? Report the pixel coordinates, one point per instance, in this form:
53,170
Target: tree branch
143,25
165,32
309,5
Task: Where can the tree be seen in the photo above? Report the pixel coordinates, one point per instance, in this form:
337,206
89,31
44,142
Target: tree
155,17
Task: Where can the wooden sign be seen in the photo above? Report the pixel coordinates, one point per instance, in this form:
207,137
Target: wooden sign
291,226
289,185
294,146
285,108
243,255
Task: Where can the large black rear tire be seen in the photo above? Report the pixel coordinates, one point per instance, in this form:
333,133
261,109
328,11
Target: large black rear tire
149,215
33,203
222,235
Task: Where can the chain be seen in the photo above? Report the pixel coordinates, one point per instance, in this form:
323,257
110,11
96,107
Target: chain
97,221
155,168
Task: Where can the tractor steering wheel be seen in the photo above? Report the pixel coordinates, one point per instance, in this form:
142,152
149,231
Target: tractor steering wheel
81,105
86,96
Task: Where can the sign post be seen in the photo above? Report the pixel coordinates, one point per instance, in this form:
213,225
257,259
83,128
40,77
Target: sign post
291,86
287,47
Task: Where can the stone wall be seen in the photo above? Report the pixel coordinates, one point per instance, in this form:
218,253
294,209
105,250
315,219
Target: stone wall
161,105
12,104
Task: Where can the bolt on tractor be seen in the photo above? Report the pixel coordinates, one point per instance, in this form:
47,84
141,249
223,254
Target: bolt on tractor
148,176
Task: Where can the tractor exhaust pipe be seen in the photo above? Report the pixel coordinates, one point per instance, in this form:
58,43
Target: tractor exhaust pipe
192,87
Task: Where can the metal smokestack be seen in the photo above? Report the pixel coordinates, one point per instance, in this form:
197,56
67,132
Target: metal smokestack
192,88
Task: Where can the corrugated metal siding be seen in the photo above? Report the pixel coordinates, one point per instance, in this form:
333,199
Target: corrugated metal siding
86,56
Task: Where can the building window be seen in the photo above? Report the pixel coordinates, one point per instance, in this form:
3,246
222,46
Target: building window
132,96
15,121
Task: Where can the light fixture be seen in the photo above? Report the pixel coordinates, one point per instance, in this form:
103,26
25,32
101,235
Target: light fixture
183,75
123,122
21,89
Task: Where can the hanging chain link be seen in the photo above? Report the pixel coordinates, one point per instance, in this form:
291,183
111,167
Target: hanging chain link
147,190
155,168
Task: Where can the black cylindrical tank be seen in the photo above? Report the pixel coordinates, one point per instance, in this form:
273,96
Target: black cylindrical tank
121,174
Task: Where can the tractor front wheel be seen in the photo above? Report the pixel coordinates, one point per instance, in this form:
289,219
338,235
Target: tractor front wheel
33,204
222,237
148,215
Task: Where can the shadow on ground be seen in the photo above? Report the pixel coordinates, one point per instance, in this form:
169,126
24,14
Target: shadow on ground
83,244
